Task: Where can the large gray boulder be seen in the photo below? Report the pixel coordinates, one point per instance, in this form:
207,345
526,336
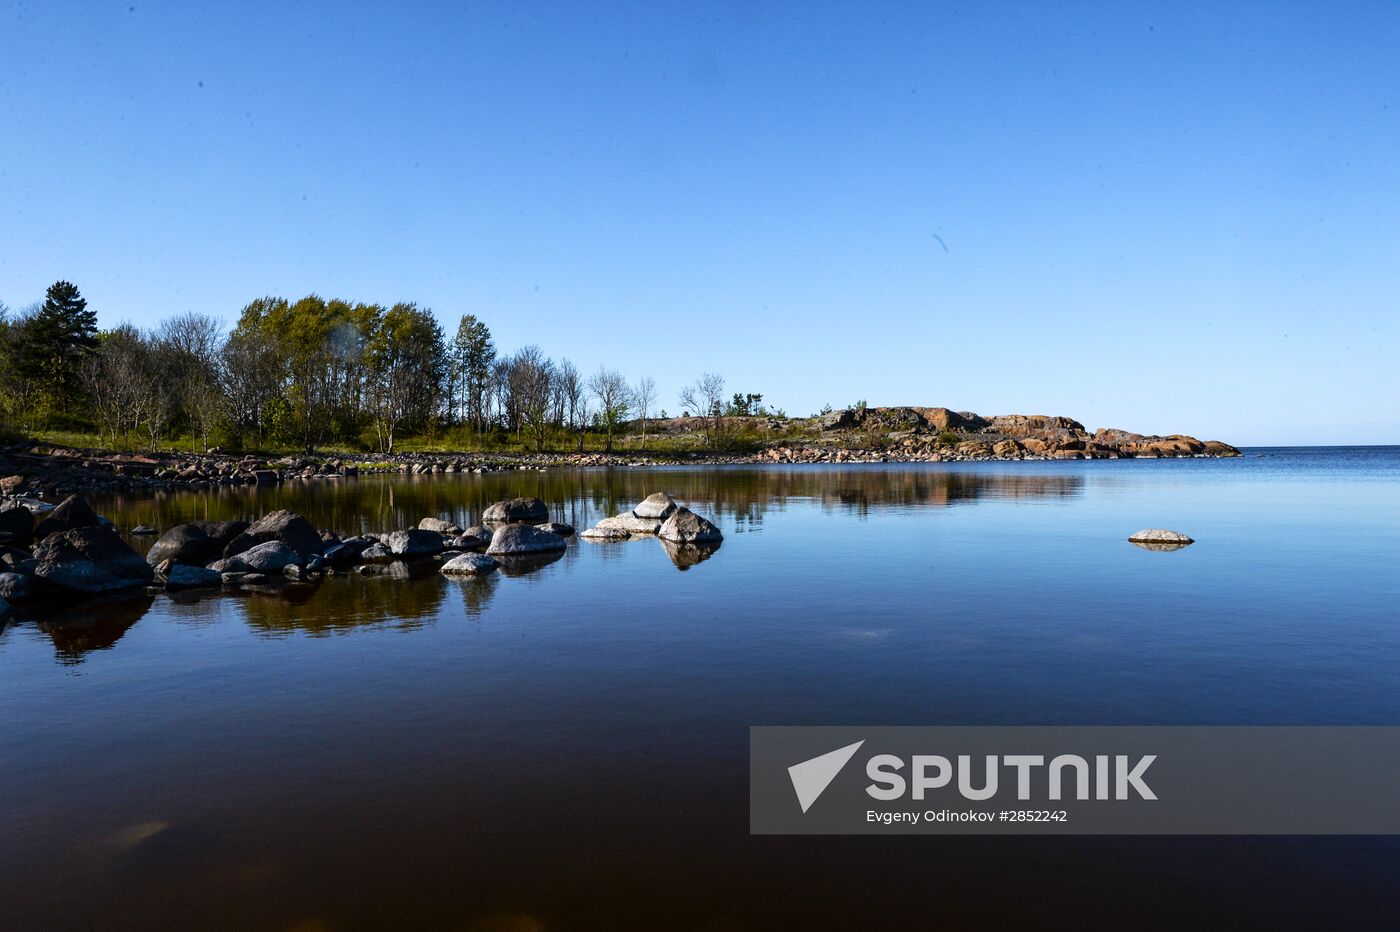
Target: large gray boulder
686,527
469,564
524,510
291,529
514,539
415,543
445,528
195,543
270,558
346,552
180,577
16,522
90,559
554,527
73,512
656,505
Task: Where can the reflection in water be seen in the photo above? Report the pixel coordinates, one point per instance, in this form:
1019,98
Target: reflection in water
93,626
373,504
687,555
408,594
1161,546
345,603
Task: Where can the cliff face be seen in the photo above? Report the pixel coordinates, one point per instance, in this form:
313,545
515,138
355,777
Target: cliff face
1012,435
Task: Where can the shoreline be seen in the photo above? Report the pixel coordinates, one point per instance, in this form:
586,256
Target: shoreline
46,469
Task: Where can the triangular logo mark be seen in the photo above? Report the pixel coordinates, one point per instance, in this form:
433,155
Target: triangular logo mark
811,777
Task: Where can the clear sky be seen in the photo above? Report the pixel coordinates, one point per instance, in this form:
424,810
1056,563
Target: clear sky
1164,217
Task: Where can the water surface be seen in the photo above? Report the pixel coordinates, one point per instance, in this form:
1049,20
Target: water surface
568,748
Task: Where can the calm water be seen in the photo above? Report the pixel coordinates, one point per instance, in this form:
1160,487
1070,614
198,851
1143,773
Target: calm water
568,748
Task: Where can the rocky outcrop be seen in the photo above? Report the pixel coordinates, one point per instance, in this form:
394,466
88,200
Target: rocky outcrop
469,564
195,543
90,560
518,539
517,510
686,527
291,529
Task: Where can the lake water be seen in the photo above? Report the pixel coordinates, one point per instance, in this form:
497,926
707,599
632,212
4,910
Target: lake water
568,748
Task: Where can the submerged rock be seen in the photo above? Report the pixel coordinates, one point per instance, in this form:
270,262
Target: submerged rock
90,559
527,510
686,527
522,539
376,553
656,505
195,543
469,564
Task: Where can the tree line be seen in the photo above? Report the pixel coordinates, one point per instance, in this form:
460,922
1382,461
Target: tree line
315,372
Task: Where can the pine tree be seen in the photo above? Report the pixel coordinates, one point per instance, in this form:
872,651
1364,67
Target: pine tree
60,335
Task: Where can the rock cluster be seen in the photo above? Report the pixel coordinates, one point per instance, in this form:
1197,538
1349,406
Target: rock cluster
687,537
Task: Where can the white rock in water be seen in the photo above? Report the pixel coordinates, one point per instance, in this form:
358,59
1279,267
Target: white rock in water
656,505
469,564
1160,536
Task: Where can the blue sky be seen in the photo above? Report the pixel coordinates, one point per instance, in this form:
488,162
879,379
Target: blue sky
1164,217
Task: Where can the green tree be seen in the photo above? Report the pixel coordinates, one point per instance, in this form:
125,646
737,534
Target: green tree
52,344
472,357
407,365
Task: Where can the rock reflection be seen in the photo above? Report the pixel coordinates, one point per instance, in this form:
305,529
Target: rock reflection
477,592
344,603
580,497
525,564
95,625
1161,546
687,555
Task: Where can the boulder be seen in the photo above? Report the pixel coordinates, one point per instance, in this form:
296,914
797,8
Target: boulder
465,543
1006,448
415,543
837,420
686,527
469,564
525,510
195,543
346,552
554,527
14,586
630,523
602,532
522,538
445,528
482,534
271,557
16,522
1172,539
291,529
376,553
90,559
181,577
72,513
655,505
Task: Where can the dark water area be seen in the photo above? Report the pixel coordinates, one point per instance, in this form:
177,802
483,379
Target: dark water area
567,748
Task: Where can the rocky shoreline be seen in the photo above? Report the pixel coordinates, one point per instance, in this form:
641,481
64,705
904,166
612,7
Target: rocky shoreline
51,555
875,435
